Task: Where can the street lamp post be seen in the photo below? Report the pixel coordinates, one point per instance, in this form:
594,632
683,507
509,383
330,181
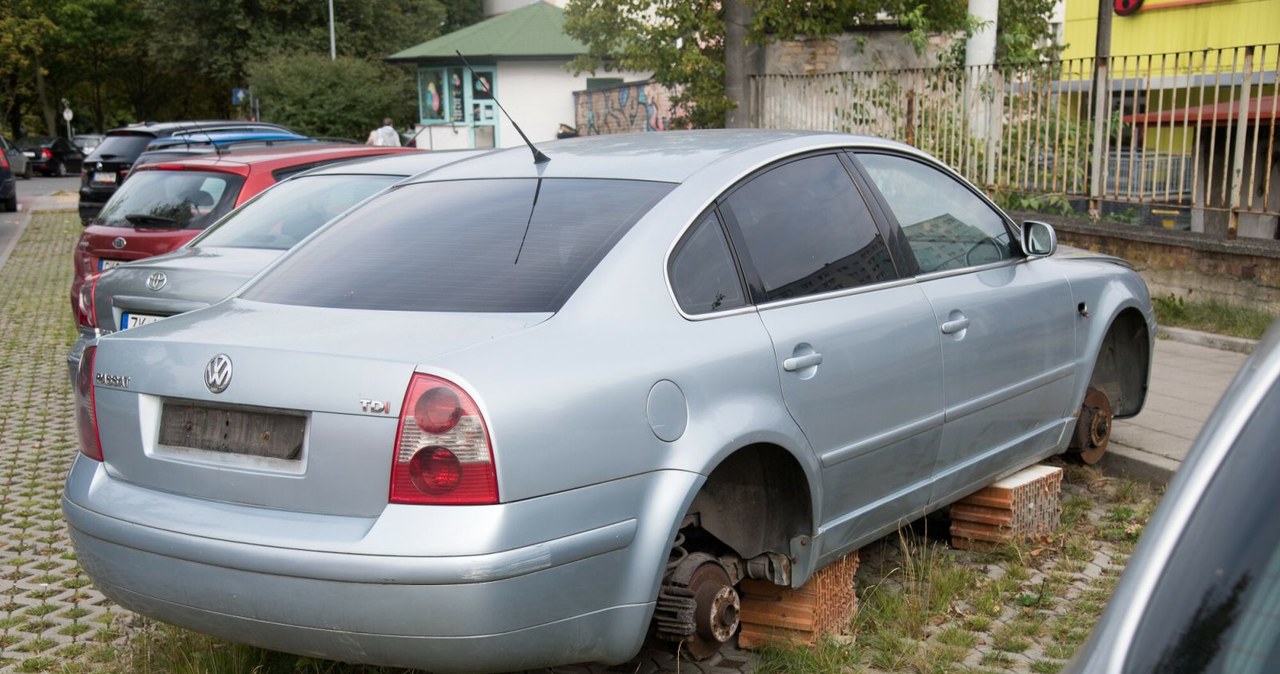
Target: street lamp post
333,46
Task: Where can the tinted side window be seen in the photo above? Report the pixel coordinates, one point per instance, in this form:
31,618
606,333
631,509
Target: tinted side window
703,275
468,245
946,225
808,231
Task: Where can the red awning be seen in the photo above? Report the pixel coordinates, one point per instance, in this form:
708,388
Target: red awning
1262,109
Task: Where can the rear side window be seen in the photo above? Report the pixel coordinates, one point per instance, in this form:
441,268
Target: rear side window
703,275
288,212
164,199
122,148
508,245
808,231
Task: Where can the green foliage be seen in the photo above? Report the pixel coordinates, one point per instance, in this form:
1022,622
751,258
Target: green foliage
1014,200
1212,315
345,97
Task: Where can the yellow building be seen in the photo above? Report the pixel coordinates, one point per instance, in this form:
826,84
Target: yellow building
1164,26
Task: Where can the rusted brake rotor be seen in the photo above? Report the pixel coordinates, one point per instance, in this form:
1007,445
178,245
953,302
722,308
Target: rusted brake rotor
1093,429
716,615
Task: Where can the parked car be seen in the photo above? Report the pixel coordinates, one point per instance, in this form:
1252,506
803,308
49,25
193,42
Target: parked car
166,205
109,163
51,155
19,165
8,185
214,142
87,141
1199,593
228,253
507,413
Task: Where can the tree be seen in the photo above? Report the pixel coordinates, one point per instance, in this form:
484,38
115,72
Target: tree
682,42
346,97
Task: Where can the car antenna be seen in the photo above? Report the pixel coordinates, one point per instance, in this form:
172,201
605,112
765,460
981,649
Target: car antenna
538,157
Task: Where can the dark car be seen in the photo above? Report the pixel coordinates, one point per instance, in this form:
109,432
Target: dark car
109,163
1202,590
8,186
51,156
172,148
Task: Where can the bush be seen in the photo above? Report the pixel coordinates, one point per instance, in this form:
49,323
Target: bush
347,97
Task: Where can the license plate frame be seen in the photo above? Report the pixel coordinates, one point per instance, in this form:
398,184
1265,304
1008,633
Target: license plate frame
266,433
129,319
105,264
105,177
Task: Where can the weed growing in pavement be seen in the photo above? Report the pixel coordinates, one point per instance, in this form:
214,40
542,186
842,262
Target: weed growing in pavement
1210,315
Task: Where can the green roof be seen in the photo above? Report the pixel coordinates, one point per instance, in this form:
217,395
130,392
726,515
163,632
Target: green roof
535,30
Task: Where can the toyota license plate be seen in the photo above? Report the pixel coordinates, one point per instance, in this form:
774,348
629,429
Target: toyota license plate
132,320
104,265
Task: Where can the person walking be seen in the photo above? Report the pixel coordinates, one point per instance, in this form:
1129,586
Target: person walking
384,136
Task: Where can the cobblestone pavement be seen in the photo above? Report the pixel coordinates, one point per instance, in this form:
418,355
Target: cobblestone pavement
49,613
1024,615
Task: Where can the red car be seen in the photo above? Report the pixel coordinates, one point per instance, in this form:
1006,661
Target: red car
163,206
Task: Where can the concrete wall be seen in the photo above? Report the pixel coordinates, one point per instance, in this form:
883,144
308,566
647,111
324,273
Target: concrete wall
868,50
1185,264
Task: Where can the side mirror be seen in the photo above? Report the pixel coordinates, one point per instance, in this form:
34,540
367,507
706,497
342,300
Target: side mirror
1038,239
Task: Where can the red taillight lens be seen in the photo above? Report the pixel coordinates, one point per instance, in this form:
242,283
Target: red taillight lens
86,308
443,455
86,407
4,161
47,154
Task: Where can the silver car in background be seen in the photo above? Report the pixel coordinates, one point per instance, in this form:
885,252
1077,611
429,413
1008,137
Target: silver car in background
234,249
510,414
1201,592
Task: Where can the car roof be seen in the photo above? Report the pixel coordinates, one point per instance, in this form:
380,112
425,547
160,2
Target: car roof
669,156
272,158
405,164
222,138
167,128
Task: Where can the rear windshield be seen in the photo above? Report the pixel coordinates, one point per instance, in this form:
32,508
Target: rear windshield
122,148
171,200
288,212
508,245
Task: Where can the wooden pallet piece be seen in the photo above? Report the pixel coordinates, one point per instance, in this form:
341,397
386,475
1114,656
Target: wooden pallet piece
825,605
1021,506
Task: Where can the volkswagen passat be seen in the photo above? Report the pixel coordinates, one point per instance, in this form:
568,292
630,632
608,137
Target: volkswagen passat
510,414
228,253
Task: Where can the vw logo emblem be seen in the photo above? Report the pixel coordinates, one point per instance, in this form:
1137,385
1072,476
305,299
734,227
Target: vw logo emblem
118,243
157,280
217,374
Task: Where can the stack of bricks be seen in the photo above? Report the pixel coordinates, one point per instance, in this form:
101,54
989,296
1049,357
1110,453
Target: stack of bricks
1023,505
825,605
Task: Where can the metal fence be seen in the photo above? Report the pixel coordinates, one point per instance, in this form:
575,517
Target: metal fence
1191,133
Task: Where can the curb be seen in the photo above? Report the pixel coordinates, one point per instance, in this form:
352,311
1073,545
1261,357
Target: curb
1135,463
1207,339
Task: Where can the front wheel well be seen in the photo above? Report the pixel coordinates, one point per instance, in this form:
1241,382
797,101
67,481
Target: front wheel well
754,502
1121,368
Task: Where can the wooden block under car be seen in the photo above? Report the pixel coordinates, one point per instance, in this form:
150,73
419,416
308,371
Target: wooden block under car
772,614
1023,505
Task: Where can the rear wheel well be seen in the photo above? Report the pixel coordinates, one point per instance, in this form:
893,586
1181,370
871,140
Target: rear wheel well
754,502
1124,356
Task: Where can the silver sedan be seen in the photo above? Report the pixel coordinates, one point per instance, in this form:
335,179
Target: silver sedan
510,414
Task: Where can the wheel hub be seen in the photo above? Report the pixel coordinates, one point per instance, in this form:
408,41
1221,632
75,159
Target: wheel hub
1093,430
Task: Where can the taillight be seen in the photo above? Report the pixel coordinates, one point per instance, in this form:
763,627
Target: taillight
443,455
4,161
86,307
46,153
86,410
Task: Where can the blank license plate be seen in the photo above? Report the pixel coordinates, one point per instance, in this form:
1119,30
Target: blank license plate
132,320
104,177
233,431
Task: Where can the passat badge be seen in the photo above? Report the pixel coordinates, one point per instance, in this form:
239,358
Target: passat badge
157,280
217,374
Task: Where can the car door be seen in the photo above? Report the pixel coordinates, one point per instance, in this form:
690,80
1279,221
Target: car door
1006,323
858,354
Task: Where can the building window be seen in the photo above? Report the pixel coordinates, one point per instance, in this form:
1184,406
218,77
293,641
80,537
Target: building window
451,95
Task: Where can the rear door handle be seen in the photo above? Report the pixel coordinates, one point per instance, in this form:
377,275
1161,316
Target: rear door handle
801,362
952,327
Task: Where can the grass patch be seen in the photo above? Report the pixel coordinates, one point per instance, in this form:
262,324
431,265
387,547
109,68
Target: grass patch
1211,315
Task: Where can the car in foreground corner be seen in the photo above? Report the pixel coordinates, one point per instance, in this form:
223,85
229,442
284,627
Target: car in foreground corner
1201,592
165,205
509,414
234,249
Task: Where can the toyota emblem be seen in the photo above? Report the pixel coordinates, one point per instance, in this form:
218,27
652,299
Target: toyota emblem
157,280
118,243
217,374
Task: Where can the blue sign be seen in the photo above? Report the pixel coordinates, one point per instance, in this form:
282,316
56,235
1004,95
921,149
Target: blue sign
239,97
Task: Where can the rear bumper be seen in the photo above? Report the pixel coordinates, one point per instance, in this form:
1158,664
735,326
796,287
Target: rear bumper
575,583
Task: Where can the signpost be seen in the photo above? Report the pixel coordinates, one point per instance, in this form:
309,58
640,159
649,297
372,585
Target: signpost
67,115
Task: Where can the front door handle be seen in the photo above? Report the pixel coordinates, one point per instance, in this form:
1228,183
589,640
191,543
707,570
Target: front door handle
801,362
952,327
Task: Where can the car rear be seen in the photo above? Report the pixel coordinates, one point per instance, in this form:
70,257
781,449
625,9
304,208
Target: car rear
317,464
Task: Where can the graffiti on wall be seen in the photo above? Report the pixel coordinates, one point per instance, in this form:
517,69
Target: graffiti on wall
626,108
